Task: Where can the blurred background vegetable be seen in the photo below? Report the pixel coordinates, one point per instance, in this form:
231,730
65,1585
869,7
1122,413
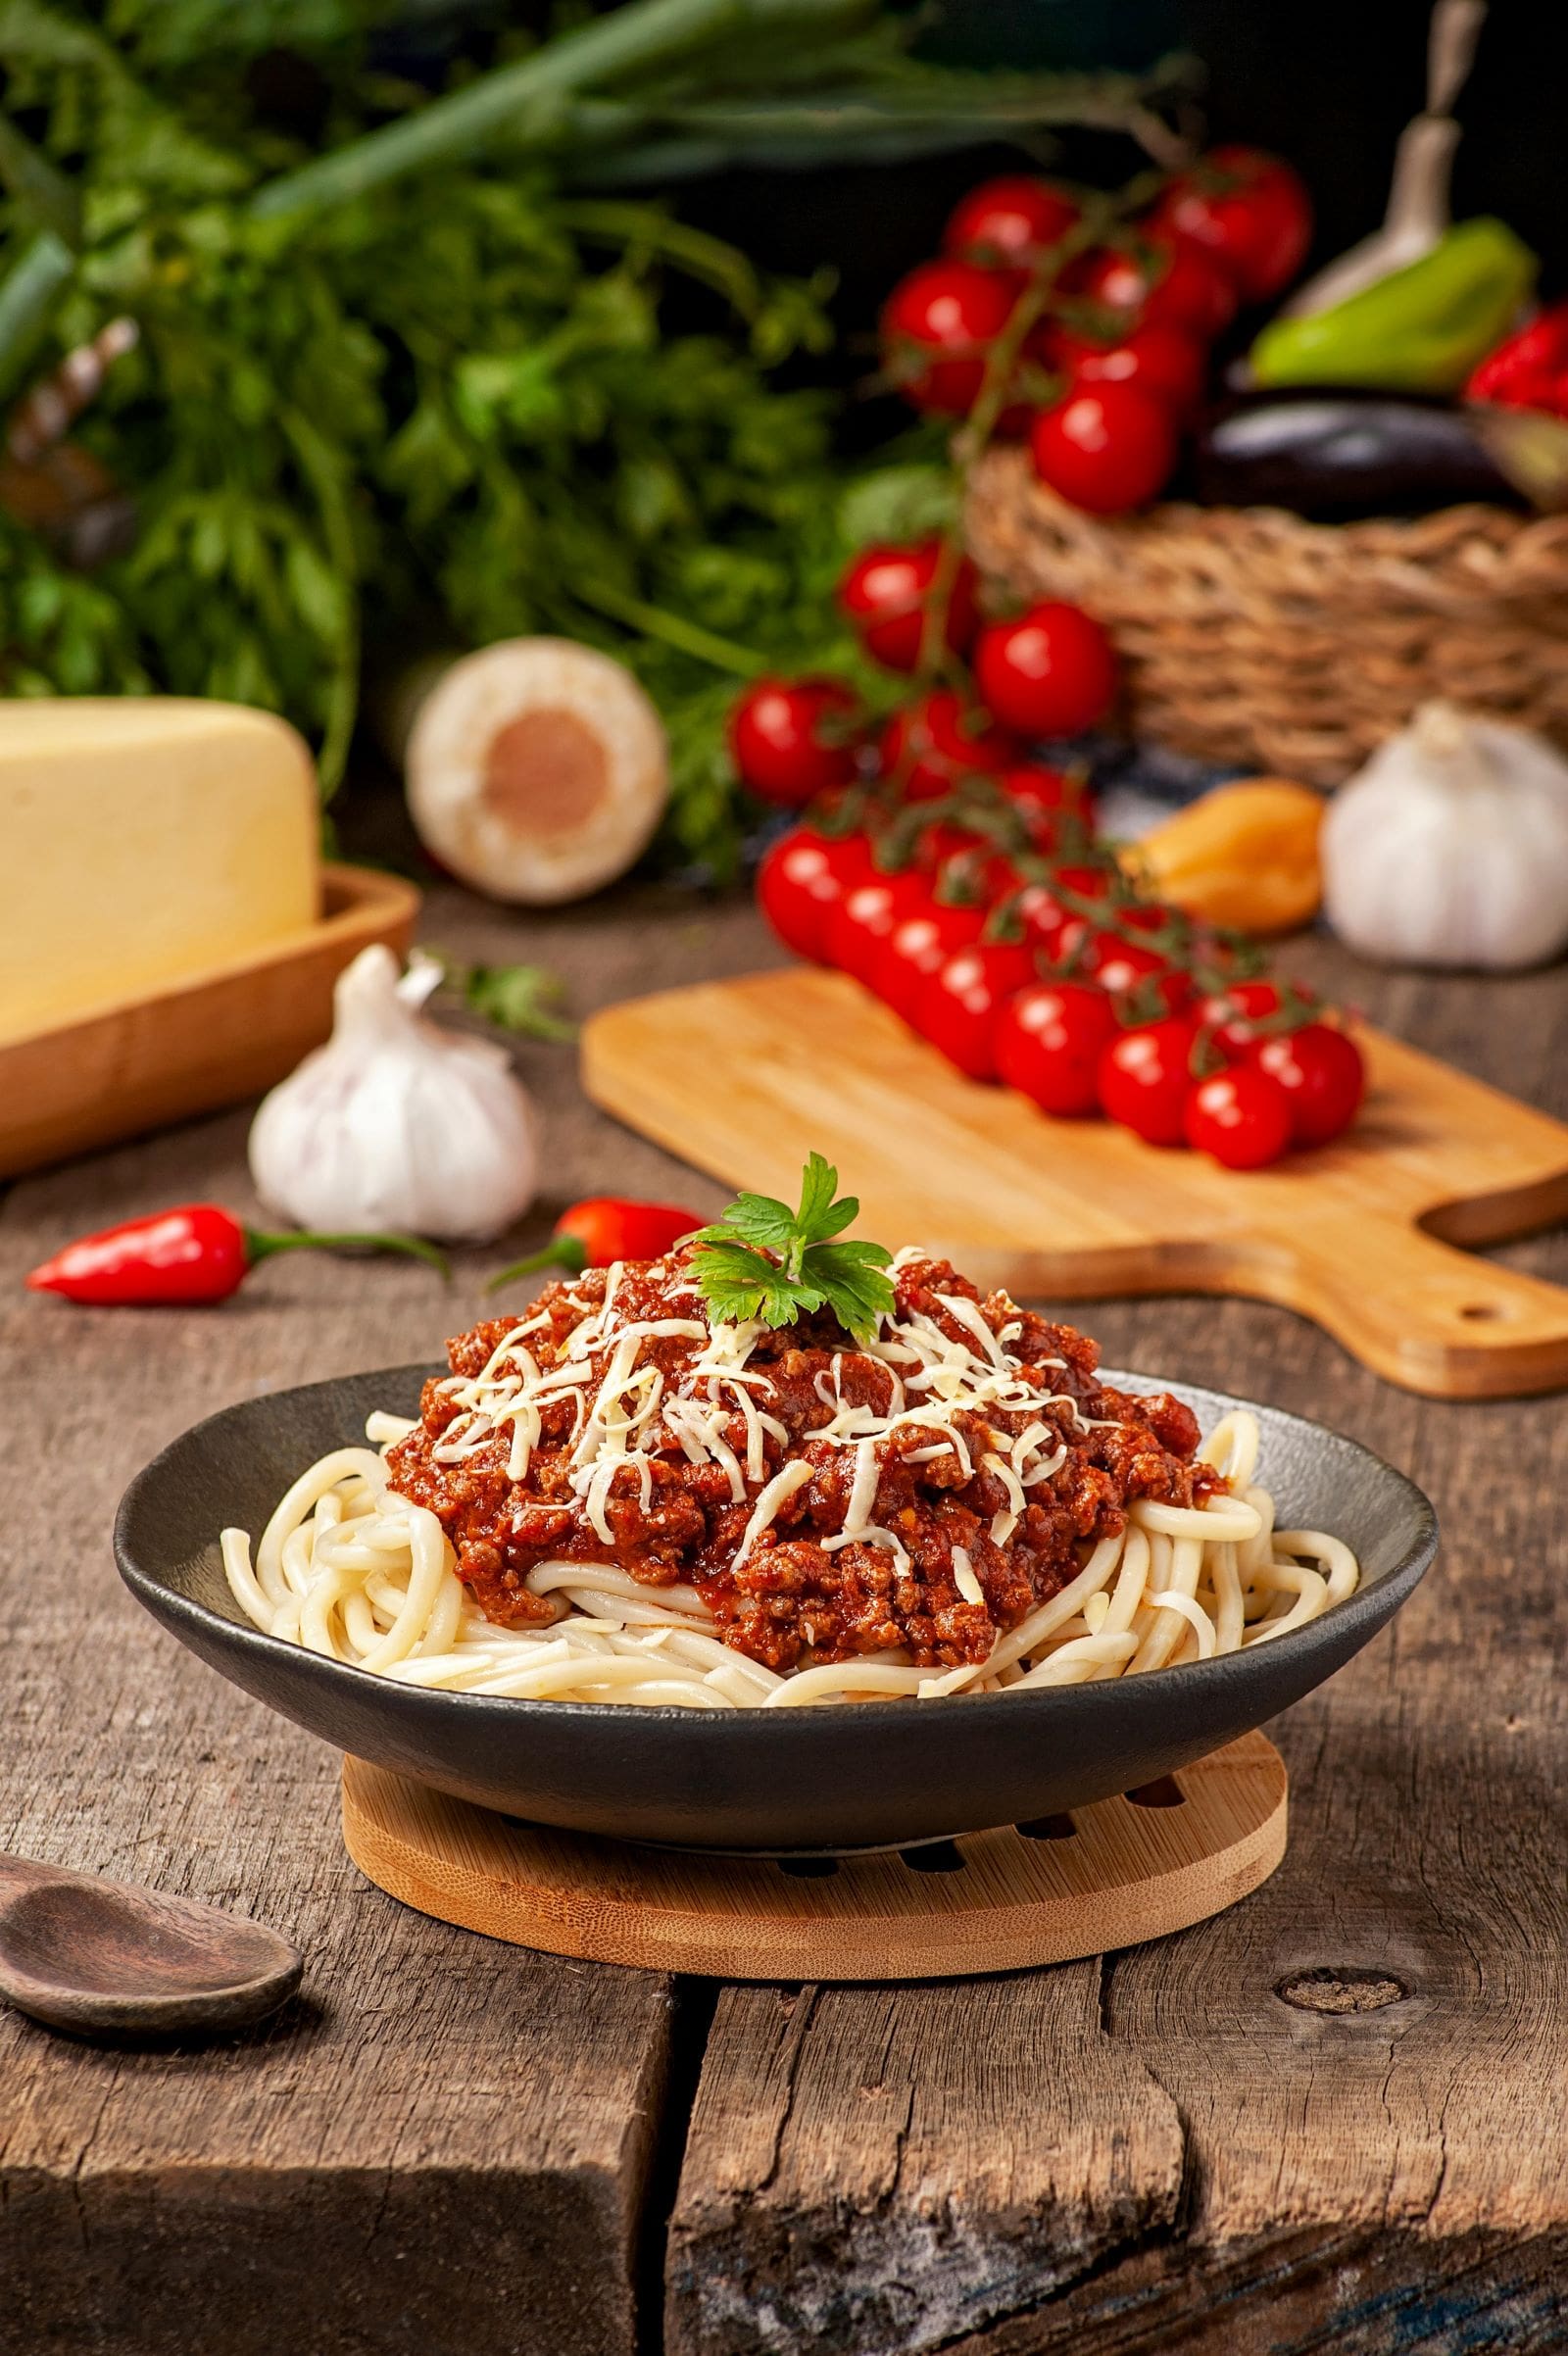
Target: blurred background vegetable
402,379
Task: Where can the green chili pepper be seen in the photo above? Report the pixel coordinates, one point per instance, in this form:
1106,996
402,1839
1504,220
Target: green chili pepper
1421,329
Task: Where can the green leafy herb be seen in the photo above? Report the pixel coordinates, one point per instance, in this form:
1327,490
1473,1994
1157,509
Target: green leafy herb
763,1259
484,396
525,998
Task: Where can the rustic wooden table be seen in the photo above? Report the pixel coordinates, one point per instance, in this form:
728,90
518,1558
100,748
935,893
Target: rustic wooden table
1331,2119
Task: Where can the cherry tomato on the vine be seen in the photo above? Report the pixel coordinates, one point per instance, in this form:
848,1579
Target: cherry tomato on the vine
1248,210
934,743
937,326
1007,220
918,947
958,1007
1048,1040
1051,923
1158,358
1240,1116
1321,1075
1166,281
1124,966
857,926
884,594
1105,448
792,739
1047,801
801,880
1144,1079
1051,673
1231,1015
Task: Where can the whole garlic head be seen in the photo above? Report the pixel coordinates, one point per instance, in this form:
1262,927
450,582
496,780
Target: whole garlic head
396,1125
1451,847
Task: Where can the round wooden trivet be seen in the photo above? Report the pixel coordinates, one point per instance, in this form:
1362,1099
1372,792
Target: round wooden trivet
1107,1876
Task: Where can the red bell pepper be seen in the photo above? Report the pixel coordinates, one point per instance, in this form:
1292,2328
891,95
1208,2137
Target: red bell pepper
603,1229
1530,369
195,1254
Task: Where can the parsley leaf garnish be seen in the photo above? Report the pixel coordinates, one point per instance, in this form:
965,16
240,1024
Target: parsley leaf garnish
763,1260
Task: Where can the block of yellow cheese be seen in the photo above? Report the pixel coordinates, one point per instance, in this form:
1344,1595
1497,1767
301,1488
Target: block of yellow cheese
145,840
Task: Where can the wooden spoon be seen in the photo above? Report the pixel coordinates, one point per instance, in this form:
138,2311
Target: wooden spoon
107,1958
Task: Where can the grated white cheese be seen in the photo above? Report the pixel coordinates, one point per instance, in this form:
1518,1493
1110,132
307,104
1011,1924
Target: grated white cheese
777,1491
864,1487
963,1577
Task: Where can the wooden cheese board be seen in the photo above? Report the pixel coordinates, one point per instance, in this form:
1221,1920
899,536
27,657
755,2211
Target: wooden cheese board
191,1046
742,1078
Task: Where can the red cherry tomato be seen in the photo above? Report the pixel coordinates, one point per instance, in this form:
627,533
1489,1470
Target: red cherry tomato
1048,1040
1248,210
938,845
1164,361
1045,798
884,594
792,739
917,946
1105,448
857,926
1122,967
1144,1079
958,1007
1167,282
1242,1117
1052,672
1051,926
1010,220
801,878
937,326
1231,1015
934,743
1321,1075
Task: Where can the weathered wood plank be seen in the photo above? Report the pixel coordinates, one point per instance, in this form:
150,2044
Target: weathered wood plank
881,2169
1373,2182
444,2147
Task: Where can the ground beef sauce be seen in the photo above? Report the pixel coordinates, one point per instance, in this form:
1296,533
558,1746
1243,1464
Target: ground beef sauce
670,1509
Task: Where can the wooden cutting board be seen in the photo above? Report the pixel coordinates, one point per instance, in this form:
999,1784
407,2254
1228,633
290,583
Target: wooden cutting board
743,1078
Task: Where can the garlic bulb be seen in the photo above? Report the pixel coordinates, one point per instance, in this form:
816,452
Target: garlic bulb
395,1124
1451,847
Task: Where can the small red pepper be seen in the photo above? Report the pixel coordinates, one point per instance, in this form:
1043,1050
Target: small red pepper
592,1233
196,1253
1530,369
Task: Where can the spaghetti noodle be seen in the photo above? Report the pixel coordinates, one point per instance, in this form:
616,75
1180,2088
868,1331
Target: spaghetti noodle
600,1401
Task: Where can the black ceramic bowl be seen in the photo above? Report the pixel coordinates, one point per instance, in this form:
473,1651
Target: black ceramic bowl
854,1775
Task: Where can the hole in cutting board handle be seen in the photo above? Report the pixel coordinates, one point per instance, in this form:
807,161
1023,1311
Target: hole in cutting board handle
1478,1312
1049,1828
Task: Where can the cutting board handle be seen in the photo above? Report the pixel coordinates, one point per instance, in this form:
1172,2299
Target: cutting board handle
1419,1311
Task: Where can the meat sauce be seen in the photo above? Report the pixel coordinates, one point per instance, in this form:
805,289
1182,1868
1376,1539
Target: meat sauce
943,1517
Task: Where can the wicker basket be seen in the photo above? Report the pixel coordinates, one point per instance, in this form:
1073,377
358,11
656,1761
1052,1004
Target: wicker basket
1252,637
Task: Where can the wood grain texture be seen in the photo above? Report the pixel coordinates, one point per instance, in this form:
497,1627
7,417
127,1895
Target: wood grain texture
1371,2183
441,2148
1122,1871
192,1046
107,1958
1348,1234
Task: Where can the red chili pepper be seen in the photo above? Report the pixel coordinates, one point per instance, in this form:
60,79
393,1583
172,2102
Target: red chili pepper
194,1254
592,1233
1530,369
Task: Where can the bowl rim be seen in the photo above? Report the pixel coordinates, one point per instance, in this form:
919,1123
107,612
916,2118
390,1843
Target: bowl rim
1374,1602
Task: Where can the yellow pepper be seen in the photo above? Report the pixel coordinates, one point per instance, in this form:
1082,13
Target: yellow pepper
1244,856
